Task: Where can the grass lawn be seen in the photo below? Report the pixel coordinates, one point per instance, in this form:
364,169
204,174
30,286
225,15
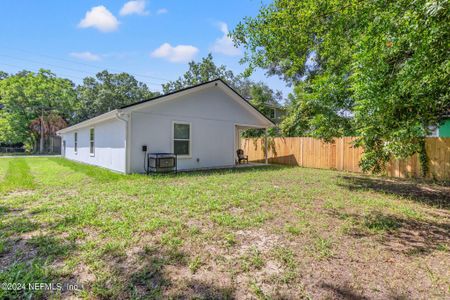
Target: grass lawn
267,233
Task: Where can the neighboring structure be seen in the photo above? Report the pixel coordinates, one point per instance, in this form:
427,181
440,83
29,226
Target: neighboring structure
276,112
443,130
201,124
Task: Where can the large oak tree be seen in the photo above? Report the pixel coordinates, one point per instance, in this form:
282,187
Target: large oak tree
378,69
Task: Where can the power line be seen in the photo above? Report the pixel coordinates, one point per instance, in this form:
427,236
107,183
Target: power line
57,66
84,64
24,68
61,67
62,75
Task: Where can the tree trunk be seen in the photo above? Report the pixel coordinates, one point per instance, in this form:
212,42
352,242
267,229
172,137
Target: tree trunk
41,140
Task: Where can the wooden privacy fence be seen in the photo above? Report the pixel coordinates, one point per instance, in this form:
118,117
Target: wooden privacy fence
342,155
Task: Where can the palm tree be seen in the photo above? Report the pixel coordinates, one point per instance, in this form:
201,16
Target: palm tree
46,127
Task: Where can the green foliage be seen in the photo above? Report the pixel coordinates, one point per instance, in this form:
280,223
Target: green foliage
26,95
200,72
30,101
376,69
108,91
264,99
3,75
258,93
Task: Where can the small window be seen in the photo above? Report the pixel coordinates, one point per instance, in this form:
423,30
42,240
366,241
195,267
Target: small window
75,142
182,139
272,114
91,141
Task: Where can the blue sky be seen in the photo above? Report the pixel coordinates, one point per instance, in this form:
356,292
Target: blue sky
152,39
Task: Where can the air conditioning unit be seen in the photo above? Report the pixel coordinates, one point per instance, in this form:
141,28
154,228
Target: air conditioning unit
161,163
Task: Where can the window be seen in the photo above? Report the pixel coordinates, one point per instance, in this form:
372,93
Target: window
182,139
91,141
75,142
272,114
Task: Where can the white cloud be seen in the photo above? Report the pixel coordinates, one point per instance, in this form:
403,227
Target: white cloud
225,45
162,11
180,53
134,7
100,18
89,56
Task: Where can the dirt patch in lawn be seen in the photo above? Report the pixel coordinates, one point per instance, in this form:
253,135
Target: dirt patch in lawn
281,233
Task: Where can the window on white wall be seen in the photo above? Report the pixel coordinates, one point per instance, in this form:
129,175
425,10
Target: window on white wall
182,139
92,141
75,142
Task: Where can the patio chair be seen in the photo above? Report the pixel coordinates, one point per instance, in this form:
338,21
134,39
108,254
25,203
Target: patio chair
241,156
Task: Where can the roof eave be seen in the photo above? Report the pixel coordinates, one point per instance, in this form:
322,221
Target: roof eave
101,118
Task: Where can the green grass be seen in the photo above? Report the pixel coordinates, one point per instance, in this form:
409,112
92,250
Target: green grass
220,234
17,176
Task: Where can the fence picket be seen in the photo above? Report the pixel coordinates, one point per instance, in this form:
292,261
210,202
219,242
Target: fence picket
341,155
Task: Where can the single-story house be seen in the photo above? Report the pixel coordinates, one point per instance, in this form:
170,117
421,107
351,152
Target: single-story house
200,124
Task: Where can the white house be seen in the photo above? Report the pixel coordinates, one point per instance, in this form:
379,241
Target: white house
201,124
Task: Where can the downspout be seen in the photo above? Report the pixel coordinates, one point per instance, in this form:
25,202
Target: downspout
125,118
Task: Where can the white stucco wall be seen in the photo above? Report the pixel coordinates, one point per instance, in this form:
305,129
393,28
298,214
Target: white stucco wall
110,140
212,114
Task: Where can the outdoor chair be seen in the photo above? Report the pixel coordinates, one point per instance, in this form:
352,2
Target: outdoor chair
241,156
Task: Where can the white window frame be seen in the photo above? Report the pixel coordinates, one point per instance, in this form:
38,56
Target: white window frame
91,148
189,140
75,142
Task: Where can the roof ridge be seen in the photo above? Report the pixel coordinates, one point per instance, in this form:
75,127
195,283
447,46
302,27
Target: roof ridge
174,92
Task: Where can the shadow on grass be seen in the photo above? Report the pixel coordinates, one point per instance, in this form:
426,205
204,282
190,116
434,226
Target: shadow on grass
225,171
406,236
8,210
341,292
96,173
27,256
29,261
431,194
148,278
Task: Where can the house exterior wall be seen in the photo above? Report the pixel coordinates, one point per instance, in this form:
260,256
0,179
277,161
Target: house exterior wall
110,141
212,115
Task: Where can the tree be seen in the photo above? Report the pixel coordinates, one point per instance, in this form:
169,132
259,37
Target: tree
206,70
264,99
3,75
26,96
200,72
377,69
108,91
257,93
46,126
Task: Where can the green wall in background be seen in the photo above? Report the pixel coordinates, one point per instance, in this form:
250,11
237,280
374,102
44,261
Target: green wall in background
444,129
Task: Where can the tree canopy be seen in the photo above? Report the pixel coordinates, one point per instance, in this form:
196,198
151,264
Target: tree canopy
25,96
107,91
376,69
199,72
31,101
206,70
